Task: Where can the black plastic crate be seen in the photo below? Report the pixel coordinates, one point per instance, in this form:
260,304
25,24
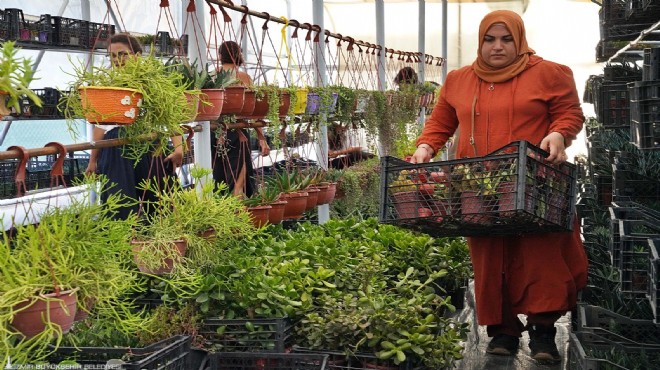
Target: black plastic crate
11,23
621,72
589,351
634,266
50,97
624,32
511,191
612,105
651,64
247,335
267,361
612,12
645,135
619,329
632,186
355,361
604,188
70,32
168,354
100,34
649,3
622,213
581,358
163,43
8,178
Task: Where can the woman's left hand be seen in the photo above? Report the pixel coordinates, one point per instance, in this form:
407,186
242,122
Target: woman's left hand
176,158
265,149
554,144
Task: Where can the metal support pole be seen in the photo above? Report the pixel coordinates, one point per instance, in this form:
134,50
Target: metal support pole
444,40
380,40
421,46
202,139
321,80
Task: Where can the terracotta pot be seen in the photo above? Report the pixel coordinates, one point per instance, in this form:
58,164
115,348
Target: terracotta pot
4,111
259,215
260,107
323,193
60,309
312,197
332,192
296,204
285,103
180,246
369,365
216,99
110,105
508,195
234,100
406,204
192,100
209,234
276,214
248,104
474,208
82,313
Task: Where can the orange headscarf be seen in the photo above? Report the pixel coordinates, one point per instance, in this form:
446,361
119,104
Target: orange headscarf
515,25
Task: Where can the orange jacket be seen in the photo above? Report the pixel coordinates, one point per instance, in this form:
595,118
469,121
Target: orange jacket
543,272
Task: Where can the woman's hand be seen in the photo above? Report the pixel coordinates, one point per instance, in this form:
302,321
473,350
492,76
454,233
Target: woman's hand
265,149
555,145
176,158
91,167
421,155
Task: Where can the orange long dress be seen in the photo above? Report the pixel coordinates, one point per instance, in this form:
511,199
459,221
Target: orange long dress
543,272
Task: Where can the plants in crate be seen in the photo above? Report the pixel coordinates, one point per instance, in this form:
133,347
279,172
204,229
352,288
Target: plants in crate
151,97
15,77
476,186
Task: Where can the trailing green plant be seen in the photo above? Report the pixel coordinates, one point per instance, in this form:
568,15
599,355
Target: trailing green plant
15,76
346,101
163,106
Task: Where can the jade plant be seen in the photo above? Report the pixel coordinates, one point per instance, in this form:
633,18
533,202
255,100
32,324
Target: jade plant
15,77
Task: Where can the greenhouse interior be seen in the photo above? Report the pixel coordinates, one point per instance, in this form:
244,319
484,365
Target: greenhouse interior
330,184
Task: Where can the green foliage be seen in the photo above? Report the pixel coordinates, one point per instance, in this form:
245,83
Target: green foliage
15,77
220,79
360,184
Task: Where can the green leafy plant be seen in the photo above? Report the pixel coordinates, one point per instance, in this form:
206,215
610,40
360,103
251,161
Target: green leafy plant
15,77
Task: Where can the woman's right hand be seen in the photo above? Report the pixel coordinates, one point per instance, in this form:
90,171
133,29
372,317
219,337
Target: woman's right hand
91,168
421,155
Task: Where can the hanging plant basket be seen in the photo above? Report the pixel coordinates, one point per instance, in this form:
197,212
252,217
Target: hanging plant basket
234,100
249,102
285,103
312,197
167,264
59,309
260,107
110,105
296,204
211,111
301,103
276,214
259,215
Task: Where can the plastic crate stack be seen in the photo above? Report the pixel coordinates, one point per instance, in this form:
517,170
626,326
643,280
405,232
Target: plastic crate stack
615,325
645,103
623,20
50,30
247,344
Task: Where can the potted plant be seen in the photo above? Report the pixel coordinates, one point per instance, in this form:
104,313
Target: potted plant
15,77
150,96
74,257
405,195
267,105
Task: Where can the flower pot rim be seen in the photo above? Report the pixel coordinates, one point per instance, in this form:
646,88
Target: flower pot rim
109,88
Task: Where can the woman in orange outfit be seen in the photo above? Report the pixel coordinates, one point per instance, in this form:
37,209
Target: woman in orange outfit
510,94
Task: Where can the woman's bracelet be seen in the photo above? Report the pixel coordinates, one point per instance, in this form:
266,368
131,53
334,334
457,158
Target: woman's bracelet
428,148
